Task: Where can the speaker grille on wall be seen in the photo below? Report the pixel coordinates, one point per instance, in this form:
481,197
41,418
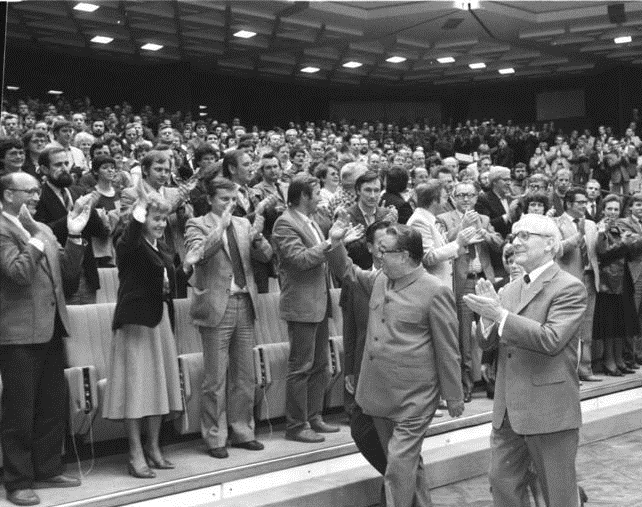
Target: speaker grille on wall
616,13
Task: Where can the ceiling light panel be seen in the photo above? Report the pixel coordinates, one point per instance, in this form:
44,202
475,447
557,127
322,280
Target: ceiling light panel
446,59
625,39
477,66
101,39
396,59
150,46
244,34
352,65
506,71
85,7
310,70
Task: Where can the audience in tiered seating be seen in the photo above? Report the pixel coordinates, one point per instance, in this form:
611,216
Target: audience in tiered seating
479,174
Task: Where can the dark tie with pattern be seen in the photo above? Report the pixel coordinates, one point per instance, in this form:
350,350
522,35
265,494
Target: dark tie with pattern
235,254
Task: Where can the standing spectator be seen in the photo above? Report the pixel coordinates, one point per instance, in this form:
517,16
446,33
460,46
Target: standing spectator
34,272
63,133
10,126
411,346
534,323
561,185
472,263
612,321
396,183
83,141
594,204
143,380
34,143
519,178
107,206
305,306
12,155
328,176
220,246
504,155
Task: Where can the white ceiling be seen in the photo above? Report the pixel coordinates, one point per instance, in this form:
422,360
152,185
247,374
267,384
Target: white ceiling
536,38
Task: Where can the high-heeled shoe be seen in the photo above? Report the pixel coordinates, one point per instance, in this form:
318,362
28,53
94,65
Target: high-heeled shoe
613,373
164,464
140,473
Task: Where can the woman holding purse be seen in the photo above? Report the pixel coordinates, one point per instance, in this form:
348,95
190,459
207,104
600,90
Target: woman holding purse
143,381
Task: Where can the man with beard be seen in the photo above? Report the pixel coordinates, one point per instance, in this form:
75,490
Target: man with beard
57,200
98,129
518,182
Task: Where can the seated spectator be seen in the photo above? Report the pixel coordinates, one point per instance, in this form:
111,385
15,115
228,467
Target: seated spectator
396,183
519,178
537,183
143,381
12,155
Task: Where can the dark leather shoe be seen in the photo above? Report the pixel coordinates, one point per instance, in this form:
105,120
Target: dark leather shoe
625,370
631,365
218,452
306,435
590,378
252,445
57,481
613,373
468,397
23,497
323,427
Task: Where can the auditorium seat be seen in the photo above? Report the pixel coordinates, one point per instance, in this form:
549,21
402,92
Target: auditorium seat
334,392
108,279
88,348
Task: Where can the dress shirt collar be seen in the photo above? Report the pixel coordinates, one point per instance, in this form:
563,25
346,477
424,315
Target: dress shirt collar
16,222
535,274
367,215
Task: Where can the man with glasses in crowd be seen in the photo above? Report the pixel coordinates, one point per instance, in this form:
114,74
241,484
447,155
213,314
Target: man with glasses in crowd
411,355
534,322
472,263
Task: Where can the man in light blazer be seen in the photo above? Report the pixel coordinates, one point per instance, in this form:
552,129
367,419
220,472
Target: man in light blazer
471,265
411,355
35,271
578,257
305,305
536,409
438,253
220,247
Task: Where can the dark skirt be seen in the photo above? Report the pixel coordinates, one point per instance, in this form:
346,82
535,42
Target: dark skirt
613,316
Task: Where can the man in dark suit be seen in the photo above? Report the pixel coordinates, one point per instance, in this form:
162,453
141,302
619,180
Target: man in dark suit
411,354
57,200
496,204
534,322
594,205
34,272
561,185
305,305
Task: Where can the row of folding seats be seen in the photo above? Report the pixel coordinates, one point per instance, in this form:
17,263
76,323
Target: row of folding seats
89,345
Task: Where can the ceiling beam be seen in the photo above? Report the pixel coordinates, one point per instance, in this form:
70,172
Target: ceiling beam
125,21
179,30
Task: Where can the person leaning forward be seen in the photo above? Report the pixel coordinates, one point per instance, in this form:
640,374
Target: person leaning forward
411,354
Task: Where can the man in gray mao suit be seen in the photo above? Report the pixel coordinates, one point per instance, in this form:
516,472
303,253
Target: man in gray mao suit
411,355
536,412
305,305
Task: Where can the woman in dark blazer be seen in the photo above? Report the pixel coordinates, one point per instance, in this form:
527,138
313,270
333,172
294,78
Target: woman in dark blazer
396,183
613,316
143,380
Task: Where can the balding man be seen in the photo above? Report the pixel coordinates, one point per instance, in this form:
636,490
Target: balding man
534,323
34,272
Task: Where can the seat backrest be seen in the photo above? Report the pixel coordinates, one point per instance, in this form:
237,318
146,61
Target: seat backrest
335,323
90,334
108,279
188,339
270,327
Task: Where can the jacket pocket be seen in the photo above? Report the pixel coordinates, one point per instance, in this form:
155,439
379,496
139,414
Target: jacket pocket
548,377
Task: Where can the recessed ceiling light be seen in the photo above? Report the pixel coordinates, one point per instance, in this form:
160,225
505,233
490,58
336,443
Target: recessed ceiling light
101,39
202,107
446,59
623,40
13,88
82,6
508,70
352,65
150,46
244,34
202,114
54,92
310,70
396,59
476,66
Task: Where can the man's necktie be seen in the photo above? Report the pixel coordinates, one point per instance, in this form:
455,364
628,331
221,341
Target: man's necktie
235,254
278,189
583,252
472,252
593,210
66,199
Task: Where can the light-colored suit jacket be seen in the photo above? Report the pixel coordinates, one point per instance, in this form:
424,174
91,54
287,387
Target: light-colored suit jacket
305,281
411,355
31,283
451,222
212,275
570,258
537,380
438,254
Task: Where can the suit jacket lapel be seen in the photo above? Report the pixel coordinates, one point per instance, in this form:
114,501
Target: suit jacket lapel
528,294
303,228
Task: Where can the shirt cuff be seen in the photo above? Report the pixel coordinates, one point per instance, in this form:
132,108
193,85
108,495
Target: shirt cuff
139,214
502,321
38,243
487,330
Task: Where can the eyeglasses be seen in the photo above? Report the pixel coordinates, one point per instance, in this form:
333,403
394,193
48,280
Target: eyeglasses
39,140
32,191
464,196
525,235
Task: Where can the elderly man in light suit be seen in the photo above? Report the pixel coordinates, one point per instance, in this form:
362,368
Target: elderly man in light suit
578,257
305,305
34,273
536,412
438,253
411,355
471,265
221,247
